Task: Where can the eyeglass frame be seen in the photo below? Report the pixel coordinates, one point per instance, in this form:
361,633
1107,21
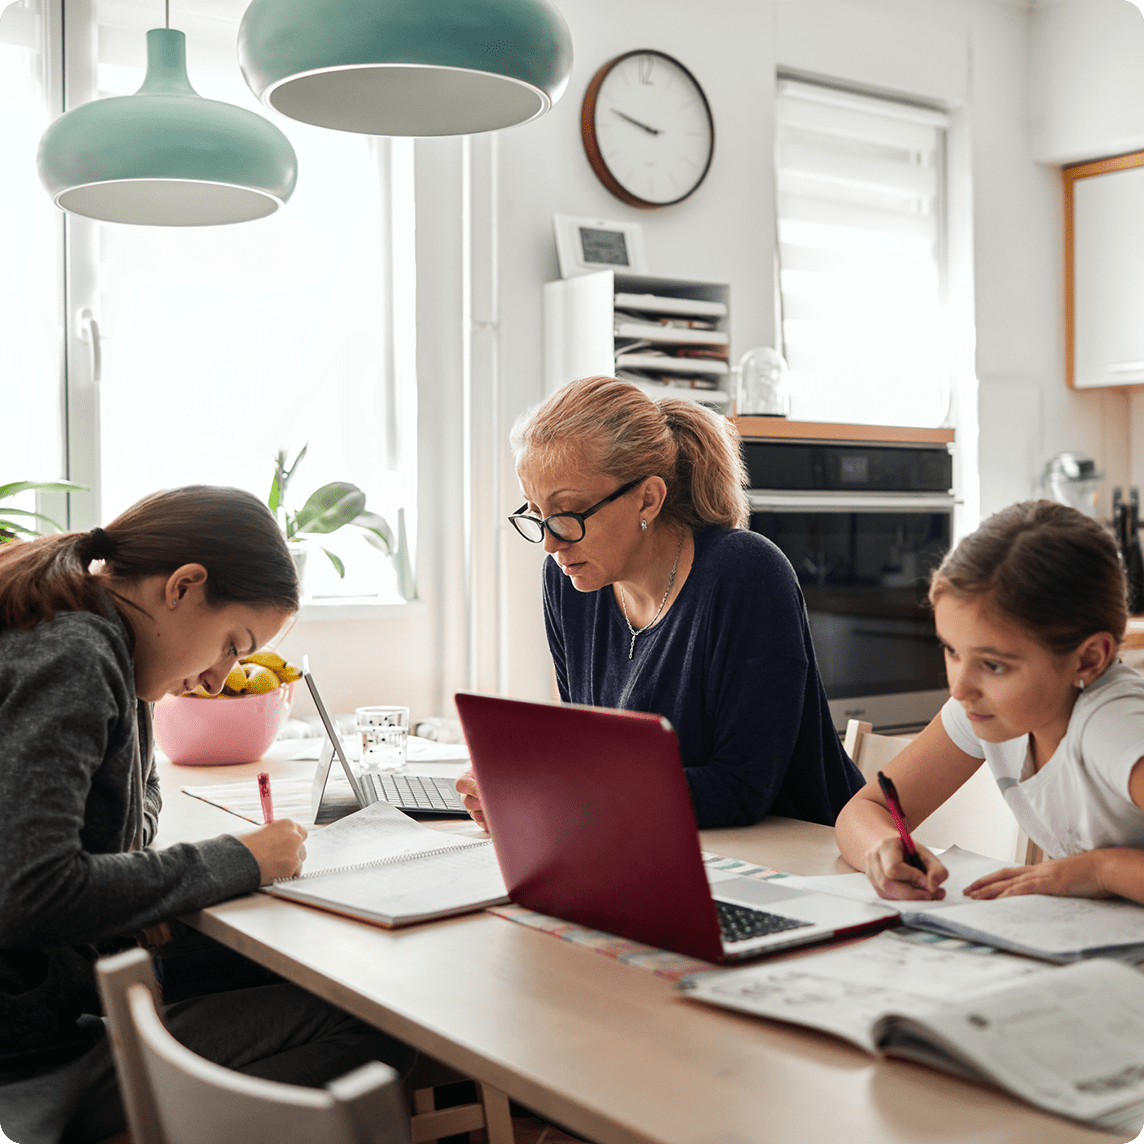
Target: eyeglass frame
581,517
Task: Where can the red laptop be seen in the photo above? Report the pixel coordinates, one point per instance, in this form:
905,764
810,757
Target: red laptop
591,821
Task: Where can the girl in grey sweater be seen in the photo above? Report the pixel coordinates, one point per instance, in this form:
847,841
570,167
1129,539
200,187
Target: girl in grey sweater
184,583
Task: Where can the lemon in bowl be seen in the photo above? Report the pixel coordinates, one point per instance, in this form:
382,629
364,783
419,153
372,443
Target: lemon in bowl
237,726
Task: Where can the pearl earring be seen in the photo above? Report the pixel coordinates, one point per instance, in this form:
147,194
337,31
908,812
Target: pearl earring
643,525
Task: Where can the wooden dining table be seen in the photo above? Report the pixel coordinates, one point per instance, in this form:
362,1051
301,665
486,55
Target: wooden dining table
609,1051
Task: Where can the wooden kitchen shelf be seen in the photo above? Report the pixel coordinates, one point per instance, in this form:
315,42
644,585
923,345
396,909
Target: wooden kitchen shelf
780,427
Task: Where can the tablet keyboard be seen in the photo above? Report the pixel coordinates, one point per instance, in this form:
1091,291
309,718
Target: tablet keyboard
425,794
737,923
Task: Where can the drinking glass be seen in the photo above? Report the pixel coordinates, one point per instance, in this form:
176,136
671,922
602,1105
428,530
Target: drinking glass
384,735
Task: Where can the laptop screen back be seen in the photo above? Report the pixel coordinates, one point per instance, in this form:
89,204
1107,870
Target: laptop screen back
591,819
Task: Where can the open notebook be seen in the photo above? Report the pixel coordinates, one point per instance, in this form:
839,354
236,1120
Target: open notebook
1037,925
381,866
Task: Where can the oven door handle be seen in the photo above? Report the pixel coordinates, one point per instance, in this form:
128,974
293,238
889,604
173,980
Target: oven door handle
774,500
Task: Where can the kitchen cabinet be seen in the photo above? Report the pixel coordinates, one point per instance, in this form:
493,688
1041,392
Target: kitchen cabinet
1104,272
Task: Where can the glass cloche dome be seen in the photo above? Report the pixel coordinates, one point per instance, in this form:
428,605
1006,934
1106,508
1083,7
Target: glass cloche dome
763,389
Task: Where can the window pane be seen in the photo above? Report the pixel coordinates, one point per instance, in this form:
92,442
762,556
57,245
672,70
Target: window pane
223,345
860,250
30,254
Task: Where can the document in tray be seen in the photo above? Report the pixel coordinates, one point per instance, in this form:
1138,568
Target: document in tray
1037,925
382,866
1067,1039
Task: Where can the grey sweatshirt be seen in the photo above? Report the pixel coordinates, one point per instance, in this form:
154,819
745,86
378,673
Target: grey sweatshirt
79,801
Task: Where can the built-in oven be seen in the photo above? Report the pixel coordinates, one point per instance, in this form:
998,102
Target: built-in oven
863,525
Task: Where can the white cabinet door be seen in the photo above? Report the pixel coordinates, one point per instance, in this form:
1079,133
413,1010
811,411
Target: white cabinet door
1108,279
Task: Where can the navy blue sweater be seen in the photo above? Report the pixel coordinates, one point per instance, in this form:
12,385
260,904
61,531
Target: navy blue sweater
731,666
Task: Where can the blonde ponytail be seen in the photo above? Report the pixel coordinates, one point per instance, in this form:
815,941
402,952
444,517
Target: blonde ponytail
625,434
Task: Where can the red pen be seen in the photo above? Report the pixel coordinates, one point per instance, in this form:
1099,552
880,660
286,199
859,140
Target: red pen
891,796
264,795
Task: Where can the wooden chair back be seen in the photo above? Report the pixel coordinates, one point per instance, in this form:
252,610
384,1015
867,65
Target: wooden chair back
173,1096
975,818
871,752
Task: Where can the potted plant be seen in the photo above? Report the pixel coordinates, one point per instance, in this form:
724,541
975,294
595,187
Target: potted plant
327,509
20,523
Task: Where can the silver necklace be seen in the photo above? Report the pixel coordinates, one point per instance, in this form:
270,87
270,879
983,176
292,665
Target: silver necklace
670,584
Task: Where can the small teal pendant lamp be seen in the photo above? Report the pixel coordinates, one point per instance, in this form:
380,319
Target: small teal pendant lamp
166,156
406,67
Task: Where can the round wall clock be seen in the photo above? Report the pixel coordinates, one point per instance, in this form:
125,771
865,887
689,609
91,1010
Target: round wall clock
647,129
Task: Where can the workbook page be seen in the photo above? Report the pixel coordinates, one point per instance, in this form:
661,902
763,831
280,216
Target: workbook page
964,868
844,991
1042,925
1070,1042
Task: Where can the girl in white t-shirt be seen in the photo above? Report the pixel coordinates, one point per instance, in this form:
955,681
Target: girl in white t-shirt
1030,610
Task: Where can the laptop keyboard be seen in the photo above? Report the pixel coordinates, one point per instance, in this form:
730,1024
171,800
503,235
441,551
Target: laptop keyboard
425,793
737,923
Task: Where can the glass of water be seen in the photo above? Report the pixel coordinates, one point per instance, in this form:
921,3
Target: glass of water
384,735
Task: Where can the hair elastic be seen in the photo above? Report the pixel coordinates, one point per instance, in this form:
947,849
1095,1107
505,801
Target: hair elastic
99,545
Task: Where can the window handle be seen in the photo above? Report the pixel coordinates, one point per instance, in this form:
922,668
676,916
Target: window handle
89,335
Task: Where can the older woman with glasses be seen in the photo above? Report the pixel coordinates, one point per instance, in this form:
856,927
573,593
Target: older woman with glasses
657,599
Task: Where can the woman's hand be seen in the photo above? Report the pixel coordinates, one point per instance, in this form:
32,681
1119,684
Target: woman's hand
1078,876
278,849
471,797
893,877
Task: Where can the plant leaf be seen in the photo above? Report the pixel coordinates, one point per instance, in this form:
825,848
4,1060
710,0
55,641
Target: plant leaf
339,567
376,530
8,511
297,460
272,499
330,507
43,486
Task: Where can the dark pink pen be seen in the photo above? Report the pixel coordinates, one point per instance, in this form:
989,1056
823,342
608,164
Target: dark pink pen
264,795
891,796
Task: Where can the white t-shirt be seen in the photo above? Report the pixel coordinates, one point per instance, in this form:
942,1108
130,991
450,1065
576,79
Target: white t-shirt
1079,799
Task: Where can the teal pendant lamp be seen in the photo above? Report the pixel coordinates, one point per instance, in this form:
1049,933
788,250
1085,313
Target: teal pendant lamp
166,156
406,67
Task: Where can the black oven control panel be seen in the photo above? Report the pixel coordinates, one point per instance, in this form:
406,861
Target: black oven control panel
808,466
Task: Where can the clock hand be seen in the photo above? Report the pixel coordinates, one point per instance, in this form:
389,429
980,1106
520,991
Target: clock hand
644,126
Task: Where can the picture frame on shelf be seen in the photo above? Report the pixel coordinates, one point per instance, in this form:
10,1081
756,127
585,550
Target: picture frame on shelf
584,245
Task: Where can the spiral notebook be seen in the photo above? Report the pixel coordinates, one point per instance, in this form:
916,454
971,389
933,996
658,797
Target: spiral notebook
383,867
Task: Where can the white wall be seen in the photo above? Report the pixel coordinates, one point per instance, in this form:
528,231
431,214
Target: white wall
970,55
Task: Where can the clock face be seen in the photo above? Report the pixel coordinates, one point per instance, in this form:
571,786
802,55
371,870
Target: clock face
647,129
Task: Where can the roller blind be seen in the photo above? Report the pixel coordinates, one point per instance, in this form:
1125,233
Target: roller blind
860,228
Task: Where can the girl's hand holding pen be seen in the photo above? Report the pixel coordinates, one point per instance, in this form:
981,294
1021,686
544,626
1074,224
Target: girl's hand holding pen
895,861
278,848
892,875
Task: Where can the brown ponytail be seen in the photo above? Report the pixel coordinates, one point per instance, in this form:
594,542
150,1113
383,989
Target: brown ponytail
229,531
627,435
1046,567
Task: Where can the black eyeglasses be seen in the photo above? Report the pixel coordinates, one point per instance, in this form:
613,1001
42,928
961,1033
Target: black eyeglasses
566,526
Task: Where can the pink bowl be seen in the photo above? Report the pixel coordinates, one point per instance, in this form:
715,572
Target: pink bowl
226,729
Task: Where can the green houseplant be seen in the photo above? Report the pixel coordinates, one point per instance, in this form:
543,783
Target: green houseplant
327,509
21,523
